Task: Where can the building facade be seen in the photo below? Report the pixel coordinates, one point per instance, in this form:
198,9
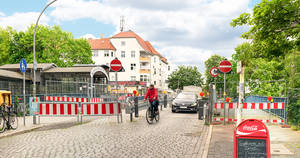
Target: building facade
139,59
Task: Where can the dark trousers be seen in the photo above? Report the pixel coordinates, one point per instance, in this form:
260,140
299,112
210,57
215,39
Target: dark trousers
154,106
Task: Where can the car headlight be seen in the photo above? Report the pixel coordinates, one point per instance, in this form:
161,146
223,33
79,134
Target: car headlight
195,104
173,103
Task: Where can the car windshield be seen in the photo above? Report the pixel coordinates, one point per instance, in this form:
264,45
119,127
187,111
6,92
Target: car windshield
185,96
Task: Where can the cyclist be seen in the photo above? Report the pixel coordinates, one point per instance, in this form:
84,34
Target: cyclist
153,99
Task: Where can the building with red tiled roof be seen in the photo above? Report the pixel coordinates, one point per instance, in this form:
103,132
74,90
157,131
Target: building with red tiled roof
101,44
140,60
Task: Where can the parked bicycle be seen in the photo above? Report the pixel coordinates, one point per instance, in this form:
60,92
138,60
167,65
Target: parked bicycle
151,115
8,117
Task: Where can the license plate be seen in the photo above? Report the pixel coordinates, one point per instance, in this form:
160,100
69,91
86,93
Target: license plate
183,107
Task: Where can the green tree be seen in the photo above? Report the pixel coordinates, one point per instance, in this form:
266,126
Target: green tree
275,46
185,76
5,40
52,46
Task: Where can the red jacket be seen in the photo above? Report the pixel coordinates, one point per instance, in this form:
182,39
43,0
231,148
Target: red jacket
152,94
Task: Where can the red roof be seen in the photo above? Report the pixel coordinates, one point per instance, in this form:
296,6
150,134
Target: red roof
155,52
102,44
131,34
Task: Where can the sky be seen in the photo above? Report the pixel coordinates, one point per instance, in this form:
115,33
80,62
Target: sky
186,32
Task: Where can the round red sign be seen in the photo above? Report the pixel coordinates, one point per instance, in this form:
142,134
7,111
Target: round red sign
115,65
225,66
214,72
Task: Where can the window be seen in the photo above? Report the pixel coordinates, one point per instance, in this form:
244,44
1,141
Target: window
154,82
132,66
95,53
154,71
133,54
133,78
123,54
123,43
154,59
168,68
144,78
112,54
106,53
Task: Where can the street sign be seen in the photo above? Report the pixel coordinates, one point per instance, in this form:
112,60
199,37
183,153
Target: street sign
225,66
115,65
214,72
23,65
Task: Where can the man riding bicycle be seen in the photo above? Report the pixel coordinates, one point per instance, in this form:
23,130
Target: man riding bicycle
153,99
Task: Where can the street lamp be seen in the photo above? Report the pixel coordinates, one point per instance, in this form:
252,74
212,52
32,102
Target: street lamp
34,60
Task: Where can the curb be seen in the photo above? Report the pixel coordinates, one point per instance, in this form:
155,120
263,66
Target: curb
206,147
21,132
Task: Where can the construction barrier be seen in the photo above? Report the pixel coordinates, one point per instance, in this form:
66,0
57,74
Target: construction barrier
58,109
101,109
259,111
72,99
251,105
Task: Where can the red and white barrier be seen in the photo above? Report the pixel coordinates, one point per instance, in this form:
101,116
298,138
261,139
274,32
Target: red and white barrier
279,105
72,99
94,109
58,109
234,120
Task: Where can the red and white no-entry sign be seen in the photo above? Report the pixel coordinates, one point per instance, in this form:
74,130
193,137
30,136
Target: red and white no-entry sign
115,65
225,66
214,72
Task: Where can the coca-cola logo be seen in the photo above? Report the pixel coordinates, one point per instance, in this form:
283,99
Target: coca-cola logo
250,128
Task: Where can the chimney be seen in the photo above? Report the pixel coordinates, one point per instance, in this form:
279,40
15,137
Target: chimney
102,35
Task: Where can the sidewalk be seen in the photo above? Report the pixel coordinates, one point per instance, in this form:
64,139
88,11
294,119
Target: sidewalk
29,126
284,142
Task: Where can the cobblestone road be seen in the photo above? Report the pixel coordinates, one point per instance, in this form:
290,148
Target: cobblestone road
175,135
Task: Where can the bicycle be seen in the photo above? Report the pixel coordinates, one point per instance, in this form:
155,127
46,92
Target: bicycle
8,119
151,115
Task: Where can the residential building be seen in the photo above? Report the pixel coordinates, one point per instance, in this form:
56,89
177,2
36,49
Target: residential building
140,60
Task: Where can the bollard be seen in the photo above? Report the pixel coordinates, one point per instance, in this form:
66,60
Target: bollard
136,105
200,109
165,101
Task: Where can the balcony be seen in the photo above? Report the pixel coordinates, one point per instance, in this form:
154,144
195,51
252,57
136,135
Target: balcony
144,59
144,71
145,67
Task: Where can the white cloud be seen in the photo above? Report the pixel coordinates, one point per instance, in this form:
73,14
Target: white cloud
20,21
87,36
193,29
2,14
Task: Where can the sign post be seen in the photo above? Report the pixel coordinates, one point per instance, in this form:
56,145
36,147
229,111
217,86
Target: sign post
116,66
241,71
251,139
23,67
225,67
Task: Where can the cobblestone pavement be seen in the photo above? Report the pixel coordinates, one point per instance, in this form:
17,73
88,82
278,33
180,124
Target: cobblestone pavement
175,135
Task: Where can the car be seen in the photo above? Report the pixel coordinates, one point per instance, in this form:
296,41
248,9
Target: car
185,101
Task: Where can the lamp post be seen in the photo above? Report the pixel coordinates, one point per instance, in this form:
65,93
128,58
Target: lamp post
34,60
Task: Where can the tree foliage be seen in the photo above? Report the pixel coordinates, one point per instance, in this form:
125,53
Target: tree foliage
52,46
273,51
185,76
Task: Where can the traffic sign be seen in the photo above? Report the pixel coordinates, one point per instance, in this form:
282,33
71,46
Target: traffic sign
214,72
115,65
23,65
225,66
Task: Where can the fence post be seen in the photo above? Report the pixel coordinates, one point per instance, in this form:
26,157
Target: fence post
136,105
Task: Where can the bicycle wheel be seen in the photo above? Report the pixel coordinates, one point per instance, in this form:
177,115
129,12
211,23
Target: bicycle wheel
2,124
157,116
13,121
148,116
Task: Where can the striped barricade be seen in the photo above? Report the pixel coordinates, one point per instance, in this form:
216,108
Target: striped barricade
279,105
72,99
58,109
101,109
235,120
